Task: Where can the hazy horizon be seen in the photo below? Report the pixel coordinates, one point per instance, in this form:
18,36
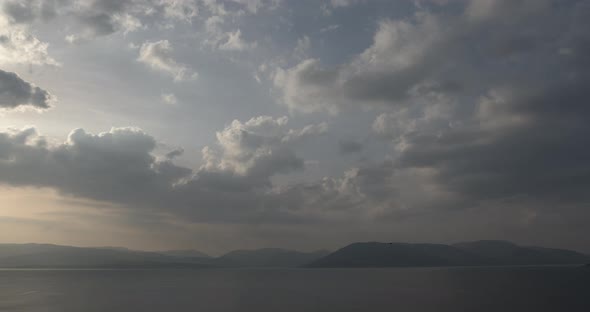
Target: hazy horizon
327,248
218,125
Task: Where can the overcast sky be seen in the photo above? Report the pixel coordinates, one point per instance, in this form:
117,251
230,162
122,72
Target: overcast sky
223,124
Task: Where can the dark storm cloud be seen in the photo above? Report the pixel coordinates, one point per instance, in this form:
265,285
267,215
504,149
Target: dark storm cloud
434,51
522,143
15,93
482,105
521,136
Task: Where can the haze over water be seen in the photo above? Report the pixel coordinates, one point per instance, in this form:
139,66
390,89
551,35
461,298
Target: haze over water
505,289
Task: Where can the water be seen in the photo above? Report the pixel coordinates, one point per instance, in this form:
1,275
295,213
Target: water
280,290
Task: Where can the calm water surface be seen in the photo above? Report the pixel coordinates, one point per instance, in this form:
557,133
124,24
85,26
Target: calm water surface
425,289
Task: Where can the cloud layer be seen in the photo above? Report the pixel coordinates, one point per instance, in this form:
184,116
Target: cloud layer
442,115
120,166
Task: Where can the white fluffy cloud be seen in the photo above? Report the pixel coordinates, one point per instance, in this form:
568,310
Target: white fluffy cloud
19,46
158,55
258,147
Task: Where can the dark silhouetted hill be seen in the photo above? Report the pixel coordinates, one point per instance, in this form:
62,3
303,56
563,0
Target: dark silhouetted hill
507,253
55,256
375,254
480,253
372,254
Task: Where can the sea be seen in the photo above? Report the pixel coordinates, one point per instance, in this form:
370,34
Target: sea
554,288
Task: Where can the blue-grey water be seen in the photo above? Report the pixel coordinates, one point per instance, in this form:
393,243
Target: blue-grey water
280,290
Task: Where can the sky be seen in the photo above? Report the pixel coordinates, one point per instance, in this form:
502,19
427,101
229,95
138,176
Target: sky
228,124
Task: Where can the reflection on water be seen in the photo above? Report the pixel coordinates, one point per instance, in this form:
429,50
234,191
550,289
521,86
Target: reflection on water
433,289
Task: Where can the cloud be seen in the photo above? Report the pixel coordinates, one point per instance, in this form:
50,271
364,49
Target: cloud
254,6
175,153
307,87
23,12
239,7
512,134
182,10
96,25
112,166
474,116
511,146
383,74
294,135
169,98
225,40
18,46
158,55
93,18
479,106
329,28
234,42
343,3
503,9
99,18
259,147
349,146
17,93
423,53
302,48
119,166
330,5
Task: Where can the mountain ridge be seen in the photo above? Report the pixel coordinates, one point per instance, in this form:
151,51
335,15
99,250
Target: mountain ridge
355,255
476,253
34,255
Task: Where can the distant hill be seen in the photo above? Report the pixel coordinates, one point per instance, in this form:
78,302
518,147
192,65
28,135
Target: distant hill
507,253
185,253
55,256
269,257
357,255
375,254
